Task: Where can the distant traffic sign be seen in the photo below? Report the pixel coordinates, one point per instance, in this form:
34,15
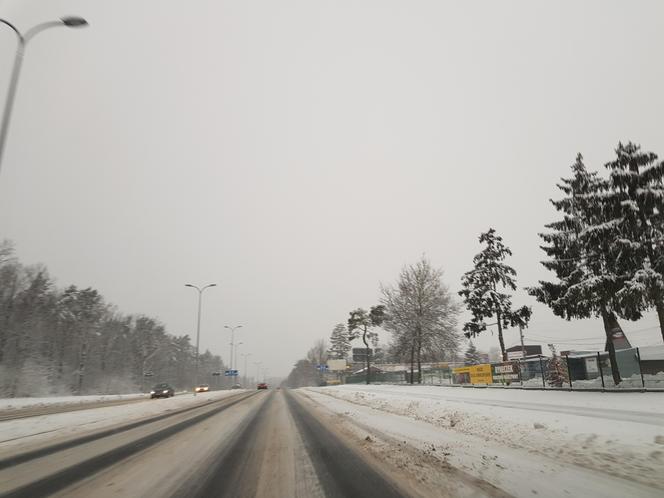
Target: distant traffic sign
216,374
231,373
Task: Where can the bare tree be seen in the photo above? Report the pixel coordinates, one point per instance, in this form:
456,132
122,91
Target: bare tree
421,314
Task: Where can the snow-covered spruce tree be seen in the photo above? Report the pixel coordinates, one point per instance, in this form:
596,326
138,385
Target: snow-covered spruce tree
360,324
634,207
339,342
582,255
484,290
556,373
421,314
472,356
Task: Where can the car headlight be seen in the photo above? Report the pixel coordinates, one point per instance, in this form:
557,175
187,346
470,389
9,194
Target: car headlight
151,392
165,391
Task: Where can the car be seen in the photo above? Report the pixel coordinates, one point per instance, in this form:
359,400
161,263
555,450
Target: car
162,390
261,385
236,386
203,388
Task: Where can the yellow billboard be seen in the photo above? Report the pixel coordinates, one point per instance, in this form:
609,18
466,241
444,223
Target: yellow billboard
474,374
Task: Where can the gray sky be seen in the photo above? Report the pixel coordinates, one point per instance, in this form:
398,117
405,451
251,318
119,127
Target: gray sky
300,152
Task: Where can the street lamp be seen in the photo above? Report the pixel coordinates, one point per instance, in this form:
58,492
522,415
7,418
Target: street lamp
23,39
198,324
232,329
237,346
245,356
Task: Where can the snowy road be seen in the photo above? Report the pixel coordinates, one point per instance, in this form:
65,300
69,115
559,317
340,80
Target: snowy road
583,444
345,441
264,444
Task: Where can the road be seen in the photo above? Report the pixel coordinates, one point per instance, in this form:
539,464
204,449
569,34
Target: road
253,444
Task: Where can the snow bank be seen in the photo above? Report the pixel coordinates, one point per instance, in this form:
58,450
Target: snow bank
619,435
634,382
17,403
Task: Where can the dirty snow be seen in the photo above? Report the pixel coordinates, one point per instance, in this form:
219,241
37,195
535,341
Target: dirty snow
19,403
578,443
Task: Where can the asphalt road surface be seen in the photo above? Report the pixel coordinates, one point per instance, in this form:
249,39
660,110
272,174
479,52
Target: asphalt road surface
257,444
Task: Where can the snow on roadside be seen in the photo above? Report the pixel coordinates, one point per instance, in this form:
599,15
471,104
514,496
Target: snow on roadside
30,432
557,428
19,403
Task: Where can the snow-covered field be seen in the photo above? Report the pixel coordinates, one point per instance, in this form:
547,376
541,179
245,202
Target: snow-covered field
33,431
546,443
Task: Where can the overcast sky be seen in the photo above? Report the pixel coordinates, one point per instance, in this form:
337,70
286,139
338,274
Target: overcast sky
298,153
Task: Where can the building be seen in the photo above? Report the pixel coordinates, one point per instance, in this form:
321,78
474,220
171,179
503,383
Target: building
516,352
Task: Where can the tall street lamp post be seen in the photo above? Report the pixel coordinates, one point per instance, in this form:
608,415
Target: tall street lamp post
244,380
236,362
198,324
237,345
23,39
232,329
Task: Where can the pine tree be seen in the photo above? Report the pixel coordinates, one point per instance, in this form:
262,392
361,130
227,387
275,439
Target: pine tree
634,206
484,290
556,374
472,356
582,257
360,324
339,342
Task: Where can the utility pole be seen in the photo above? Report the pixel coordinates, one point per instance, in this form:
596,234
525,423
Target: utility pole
523,348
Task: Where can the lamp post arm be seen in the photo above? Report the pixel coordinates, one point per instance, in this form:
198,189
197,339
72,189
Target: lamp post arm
15,30
11,89
29,34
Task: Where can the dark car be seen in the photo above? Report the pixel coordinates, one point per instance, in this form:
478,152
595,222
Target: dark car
162,391
262,385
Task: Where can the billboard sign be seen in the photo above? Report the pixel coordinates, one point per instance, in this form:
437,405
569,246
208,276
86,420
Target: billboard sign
473,374
360,354
591,365
505,372
336,365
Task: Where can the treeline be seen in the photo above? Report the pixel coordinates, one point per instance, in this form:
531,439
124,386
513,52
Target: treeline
305,371
57,341
606,251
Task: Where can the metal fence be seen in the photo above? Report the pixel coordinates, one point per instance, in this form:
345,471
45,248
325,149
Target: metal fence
638,369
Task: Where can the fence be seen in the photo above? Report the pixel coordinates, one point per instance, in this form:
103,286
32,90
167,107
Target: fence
638,368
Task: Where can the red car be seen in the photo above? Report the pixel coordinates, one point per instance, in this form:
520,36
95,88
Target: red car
261,385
